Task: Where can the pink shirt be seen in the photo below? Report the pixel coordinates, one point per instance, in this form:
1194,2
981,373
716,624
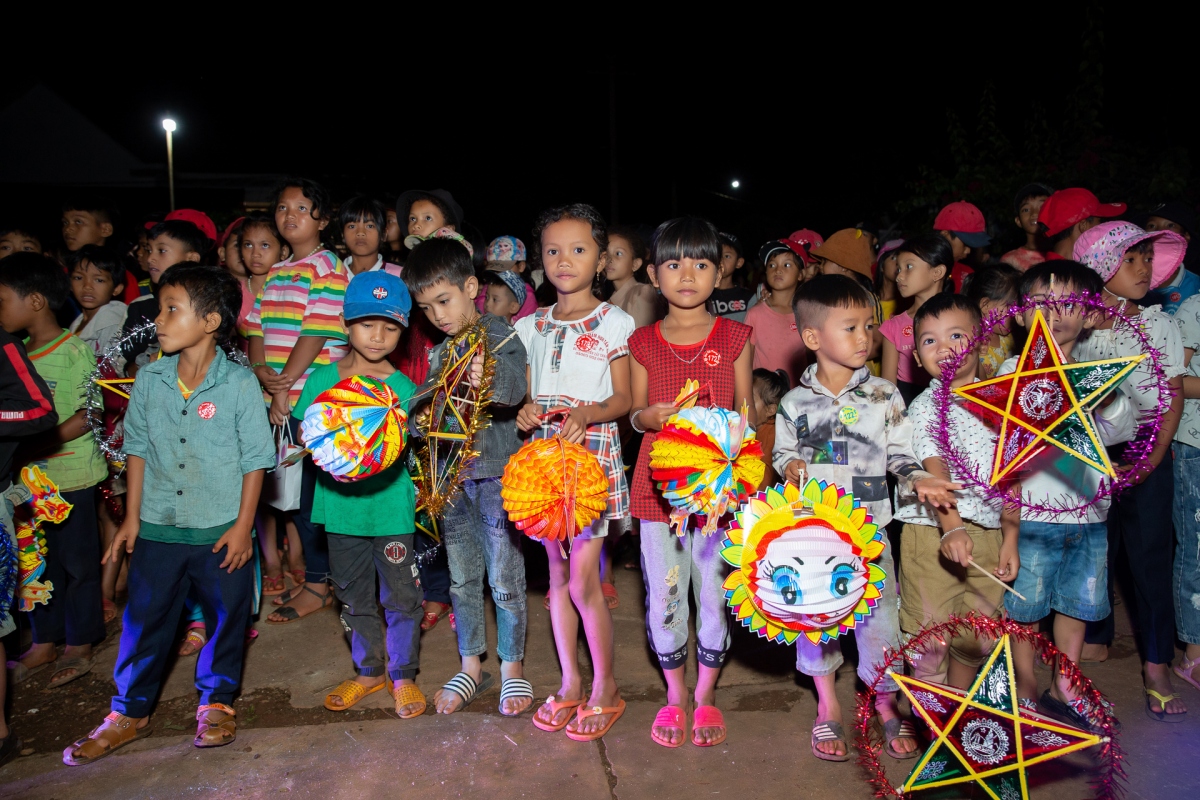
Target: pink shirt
899,331
777,343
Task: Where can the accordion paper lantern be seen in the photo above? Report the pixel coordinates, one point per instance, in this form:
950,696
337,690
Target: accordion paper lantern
355,429
553,489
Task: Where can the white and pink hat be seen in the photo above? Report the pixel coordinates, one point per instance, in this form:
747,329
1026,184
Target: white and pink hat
1102,248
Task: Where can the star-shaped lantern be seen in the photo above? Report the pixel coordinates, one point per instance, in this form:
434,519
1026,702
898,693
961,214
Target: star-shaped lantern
983,735
1047,402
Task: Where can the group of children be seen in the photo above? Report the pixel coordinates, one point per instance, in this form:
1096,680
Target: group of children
836,357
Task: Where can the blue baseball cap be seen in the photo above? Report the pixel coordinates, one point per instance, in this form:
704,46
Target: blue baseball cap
377,294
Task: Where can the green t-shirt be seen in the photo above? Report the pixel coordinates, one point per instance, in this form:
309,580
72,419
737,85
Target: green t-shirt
381,505
66,365
169,534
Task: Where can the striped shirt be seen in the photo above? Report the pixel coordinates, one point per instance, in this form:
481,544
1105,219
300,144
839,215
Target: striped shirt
301,298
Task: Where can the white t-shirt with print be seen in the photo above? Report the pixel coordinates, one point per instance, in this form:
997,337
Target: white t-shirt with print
1162,331
568,361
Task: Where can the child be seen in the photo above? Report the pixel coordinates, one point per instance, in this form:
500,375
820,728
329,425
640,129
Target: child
816,436
578,378
887,265
690,344
1178,218
777,344
293,329
1063,555
32,289
393,233
18,239
728,299
1130,262
229,250
507,254
474,528
924,266
995,289
633,293
86,220
26,409
171,242
1028,204
1185,510
937,544
369,523
1067,213
848,252
190,528
362,221
97,277
769,389
963,226
506,293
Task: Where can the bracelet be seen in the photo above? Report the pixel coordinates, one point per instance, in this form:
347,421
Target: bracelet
633,420
258,364
953,530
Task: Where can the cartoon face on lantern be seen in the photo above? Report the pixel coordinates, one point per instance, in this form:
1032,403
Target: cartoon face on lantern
803,563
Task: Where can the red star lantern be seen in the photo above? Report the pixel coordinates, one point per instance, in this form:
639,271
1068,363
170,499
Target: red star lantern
1048,402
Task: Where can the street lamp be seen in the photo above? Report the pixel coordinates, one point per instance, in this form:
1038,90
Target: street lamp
169,127
736,184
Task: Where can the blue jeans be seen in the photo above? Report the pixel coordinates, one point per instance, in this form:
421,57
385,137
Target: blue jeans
160,576
477,536
1064,566
312,536
1186,514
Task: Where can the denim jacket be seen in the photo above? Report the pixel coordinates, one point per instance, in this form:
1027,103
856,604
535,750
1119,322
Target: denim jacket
499,440
196,451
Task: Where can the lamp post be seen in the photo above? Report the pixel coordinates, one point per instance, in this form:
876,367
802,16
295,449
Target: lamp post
169,127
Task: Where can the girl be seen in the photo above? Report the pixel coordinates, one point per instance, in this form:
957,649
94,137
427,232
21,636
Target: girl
777,344
924,266
229,250
295,327
991,289
1131,262
632,292
769,389
579,382
886,266
689,344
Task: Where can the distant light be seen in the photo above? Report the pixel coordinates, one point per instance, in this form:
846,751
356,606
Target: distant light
168,125
736,184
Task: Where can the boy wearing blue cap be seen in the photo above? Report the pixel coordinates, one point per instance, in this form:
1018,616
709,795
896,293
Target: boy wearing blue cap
370,522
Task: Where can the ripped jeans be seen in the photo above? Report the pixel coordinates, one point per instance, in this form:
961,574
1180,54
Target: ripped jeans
1186,515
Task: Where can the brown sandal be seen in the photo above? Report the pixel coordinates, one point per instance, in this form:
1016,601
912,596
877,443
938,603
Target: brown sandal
215,725
109,736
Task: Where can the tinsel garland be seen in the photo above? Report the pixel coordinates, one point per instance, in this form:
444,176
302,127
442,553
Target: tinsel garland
1137,451
9,570
1109,784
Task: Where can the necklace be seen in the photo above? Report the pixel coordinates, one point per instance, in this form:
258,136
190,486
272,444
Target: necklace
316,249
699,349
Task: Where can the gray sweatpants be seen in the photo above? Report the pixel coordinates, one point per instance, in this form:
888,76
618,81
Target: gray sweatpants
670,565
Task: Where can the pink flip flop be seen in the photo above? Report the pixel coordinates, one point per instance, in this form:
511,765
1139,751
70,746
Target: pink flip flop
669,717
708,717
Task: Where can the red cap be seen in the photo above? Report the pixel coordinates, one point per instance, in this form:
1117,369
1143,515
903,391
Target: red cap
961,217
197,218
801,242
1067,206
225,236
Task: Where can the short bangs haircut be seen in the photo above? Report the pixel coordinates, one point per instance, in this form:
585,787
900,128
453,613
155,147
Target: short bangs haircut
97,206
34,273
579,212
315,192
104,259
361,208
814,299
434,261
184,232
1061,273
260,222
939,304
210,289
932,248
686,237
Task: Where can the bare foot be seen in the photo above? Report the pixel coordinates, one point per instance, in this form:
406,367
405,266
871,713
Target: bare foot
1094,653
39,654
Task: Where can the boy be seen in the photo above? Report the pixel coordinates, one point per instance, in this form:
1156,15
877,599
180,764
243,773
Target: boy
18,239
25,410
728,300
777,344
475,528
1028,204
1067,213
936,544
963,226
97,278
1183,283
86,221
198,444
362,222
1063,555
32,289
845,426
171,242
369,523
506,293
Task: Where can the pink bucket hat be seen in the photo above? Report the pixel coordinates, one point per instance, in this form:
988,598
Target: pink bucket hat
1103,247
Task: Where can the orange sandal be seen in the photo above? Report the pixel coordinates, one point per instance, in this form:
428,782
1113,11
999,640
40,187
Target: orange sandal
596,711
555,707
407,694
350,693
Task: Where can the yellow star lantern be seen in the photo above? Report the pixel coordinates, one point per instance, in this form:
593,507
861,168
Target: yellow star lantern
983,735
1047,402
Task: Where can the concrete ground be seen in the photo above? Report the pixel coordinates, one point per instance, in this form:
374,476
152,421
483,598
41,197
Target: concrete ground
479,753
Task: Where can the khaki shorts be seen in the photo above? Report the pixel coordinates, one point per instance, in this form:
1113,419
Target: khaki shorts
932,587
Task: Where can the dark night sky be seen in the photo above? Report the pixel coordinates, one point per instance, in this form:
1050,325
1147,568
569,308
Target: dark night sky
824,131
